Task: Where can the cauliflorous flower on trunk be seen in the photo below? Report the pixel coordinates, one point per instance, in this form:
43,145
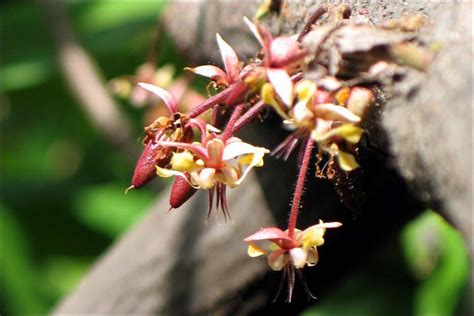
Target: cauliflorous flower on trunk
232,66
327,123
213,164
289,252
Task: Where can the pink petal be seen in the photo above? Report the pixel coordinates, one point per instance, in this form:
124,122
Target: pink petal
263,36
282,84
195,149
284,50
200,124
322,96
229,57
211,72
215,148
277,260
254,30
169,100
268,233
324,225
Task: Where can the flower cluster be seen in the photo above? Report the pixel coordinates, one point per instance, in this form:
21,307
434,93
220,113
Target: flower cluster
209,157
325,113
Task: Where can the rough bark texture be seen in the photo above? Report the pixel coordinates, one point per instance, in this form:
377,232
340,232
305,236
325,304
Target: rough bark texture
173,264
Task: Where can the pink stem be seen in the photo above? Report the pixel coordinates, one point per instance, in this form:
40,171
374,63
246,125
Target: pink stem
229,128
215,99
299,187
248,116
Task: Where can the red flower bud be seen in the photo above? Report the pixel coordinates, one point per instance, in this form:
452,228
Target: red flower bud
145,169
180,192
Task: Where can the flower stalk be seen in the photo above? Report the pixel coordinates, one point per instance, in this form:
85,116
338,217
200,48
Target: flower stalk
230,127
295,206
212,101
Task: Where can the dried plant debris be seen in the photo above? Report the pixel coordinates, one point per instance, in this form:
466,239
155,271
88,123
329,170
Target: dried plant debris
366,52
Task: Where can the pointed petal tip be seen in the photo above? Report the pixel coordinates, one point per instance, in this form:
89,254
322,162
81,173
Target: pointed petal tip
229,57
163,94
330,225
129,188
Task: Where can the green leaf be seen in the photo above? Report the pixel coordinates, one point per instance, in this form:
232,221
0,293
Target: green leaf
108,210
428,275
18,272
438,256
60,274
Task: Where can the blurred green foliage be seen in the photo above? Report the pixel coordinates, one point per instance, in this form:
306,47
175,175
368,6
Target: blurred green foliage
424,272
62,185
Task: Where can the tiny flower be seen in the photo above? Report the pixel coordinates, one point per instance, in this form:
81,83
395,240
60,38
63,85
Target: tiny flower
289,252
213,164
299,250
232,66
328,143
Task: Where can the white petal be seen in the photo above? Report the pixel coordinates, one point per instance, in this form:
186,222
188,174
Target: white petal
302,115
229,57
254,30
282,84
166,173
298,257
256,161
209,71
167,98
334,112
204,179
238,148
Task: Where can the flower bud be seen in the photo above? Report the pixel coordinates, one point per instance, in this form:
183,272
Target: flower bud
181,191
145,169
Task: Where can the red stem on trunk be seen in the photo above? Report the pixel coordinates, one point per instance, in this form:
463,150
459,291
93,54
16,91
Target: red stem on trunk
248,116
229,128
299,187
215,99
